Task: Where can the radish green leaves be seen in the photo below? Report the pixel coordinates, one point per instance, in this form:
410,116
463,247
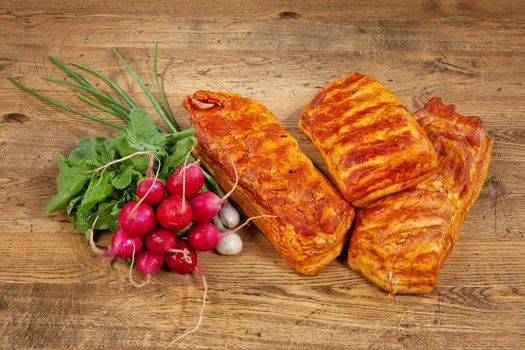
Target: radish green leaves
88,193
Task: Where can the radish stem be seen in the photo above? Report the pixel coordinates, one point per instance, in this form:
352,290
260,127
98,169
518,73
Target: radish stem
184,178
212,182
235,184
94,248
149,171
130,275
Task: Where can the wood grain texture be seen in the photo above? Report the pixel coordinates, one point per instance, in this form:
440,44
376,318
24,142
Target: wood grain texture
55,294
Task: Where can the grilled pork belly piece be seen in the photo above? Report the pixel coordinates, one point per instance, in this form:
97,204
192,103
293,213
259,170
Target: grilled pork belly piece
401,241
370,143
275,178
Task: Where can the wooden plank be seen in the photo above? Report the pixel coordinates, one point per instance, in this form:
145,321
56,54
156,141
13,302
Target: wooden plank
257,317
54,293
274,27
330,9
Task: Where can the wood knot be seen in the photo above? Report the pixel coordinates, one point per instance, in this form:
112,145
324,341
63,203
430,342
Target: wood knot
498,187
14,118
289,15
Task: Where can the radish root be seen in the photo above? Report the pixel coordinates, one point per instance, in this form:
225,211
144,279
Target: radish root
235,183
149,172
201,314
186,254
250,219
183,172
129,156
155,179
94,248
138,285
184,176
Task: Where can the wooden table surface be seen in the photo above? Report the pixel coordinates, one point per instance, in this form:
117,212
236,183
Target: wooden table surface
54,293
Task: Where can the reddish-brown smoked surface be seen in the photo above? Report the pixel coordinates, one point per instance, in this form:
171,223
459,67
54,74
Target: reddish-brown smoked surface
401,241
275,178
357,124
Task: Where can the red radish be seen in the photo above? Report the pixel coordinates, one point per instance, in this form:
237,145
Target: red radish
137,218
174,213
148,263
186,180
206,205
137,223
122,244
182,262
204,236
151,190
161,241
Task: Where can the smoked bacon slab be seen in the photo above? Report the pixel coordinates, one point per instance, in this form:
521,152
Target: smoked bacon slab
401,241
370,143
275,178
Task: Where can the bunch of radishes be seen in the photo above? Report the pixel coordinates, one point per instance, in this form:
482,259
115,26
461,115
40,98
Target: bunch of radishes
151,228
147,227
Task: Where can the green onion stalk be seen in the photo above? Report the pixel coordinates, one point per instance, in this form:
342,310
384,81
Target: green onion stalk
119,107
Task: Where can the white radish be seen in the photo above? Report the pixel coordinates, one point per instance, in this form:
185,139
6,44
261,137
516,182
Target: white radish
230,244
229,215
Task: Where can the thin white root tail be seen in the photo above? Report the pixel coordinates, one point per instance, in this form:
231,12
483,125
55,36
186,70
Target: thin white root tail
186,254
184,176
130,275
94,248
148,174
201,314
129,156
235,183
253,218
151,157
